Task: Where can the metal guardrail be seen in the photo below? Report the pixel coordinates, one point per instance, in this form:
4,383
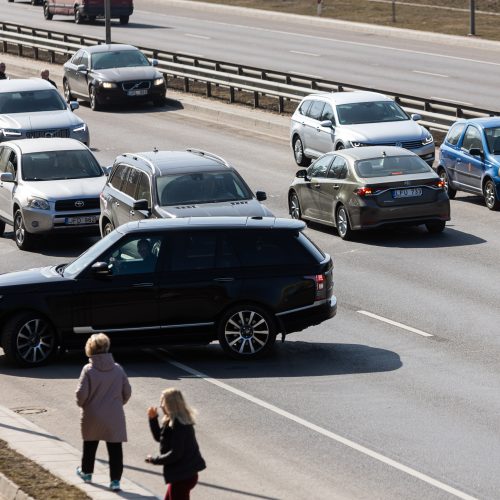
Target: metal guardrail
436,114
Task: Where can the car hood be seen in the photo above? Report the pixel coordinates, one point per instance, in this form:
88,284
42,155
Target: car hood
246,208
123,74
29,278
407,130
68,188
40,120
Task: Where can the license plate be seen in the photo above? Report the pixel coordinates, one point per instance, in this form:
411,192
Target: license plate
85,219
138,92
406,193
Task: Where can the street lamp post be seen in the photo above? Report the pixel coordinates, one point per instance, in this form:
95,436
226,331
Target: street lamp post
472,17
107,17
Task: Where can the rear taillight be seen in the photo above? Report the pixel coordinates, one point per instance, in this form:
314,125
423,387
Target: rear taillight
439,183
364,191
320,282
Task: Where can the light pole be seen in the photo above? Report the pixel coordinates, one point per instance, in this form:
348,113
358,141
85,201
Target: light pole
107,17
393,11
472,17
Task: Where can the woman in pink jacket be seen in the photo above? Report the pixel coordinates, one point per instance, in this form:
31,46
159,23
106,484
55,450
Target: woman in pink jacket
102,391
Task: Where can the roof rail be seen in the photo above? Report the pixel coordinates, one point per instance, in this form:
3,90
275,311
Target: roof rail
148,161
208,155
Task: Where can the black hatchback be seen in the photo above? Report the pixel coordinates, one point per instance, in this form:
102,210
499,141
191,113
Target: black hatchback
237,280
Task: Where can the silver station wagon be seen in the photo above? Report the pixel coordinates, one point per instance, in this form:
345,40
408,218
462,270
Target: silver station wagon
48,185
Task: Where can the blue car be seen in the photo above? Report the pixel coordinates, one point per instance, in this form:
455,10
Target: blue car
469,159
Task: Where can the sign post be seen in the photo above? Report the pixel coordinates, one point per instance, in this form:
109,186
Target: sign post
472,17
107,17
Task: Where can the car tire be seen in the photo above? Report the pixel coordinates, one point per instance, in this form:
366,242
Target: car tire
339,147
2,227
29,340
78,17
95,104
444,177
436,227
342,222
91,19
124,19
238,334
46,12
490,195
298,153
67,91
107,227
294,206
24,240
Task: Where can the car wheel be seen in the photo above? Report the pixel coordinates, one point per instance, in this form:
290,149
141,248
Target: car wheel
436,227
298,152
2,227
24,240
490,195
339,147
29,340
67,91
444,177
124,19
94,100
78,17
46,13
91,19
107,228
294,206
343,224
247,331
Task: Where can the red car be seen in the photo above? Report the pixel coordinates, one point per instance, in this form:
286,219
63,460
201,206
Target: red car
88,10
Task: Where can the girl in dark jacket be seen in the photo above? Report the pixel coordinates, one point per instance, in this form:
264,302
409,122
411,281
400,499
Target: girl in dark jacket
179,451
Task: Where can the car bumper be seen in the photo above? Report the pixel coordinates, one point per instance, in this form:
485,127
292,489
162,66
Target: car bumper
98,11
46,221
118,94
299,319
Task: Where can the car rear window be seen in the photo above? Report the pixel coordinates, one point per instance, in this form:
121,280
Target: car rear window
391,165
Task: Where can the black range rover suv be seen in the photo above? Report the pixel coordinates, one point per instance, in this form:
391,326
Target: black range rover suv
237,280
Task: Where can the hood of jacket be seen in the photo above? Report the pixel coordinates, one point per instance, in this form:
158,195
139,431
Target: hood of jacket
102,362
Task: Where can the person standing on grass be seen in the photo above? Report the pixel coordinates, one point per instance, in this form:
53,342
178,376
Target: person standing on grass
179,451
103,389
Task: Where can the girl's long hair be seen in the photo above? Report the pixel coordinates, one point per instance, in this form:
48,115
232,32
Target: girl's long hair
175,408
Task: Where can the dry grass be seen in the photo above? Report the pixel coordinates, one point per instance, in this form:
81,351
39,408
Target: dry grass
33,479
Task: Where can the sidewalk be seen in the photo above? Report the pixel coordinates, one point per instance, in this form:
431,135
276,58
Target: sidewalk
59,458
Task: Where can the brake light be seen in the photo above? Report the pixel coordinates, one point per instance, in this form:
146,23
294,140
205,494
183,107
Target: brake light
364,191
320,283
440,184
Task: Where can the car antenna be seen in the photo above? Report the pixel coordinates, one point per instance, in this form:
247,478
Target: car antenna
155,150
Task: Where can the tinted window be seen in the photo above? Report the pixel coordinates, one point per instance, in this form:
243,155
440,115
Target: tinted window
118,176
316,109
143,188
320,167
338,170
119,59
77,57
85,59
193,251
311,247
472,139
304,107
493,139
391,165
455,133
131,181
4,157
370,112
31,101
328,113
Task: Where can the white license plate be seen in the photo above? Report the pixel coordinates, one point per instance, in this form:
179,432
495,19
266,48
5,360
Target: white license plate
406,193
138,92
85,219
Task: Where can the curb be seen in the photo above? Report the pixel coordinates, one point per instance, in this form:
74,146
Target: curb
10,490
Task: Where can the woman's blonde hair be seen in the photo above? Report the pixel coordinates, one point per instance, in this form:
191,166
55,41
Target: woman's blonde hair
98,343
175,408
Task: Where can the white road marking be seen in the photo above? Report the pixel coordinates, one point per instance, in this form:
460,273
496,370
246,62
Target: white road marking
320,430
431,74
453,101
395,323
305,53
197,36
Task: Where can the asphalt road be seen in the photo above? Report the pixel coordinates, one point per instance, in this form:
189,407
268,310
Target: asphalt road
421,64
354,408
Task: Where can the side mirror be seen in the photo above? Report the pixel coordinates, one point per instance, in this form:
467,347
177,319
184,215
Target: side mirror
81,68
107,169
7,177
154,62
141,205
260,195
74,105
326,124
100,269
416,117
301,174
475,152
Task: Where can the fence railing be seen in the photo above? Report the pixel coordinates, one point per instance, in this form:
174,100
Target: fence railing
257,82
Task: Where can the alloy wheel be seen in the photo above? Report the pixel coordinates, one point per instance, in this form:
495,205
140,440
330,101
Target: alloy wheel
490,196
35,341
295,207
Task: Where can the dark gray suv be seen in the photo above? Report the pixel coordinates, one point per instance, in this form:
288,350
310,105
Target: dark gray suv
170,184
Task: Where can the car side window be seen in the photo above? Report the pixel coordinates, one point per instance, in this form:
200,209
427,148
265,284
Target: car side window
131,180
77,58
454,134
193,251
316,109
327,113
4,156
304,107
11,166
118,176
320,167
85,59
143,188
338,169
472,139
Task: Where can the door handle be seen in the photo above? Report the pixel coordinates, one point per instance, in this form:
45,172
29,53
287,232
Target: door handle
117,204
316,186
336,186
224,280
131,212
142,285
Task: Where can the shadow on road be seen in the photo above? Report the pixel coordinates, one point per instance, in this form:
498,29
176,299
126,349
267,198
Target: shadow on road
138,107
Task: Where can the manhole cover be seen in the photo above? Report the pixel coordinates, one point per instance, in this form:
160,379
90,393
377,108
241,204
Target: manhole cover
29,410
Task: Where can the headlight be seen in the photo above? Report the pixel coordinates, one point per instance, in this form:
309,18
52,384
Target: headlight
38,203
11,133
159,81
108,85
427,140
355,144
80,128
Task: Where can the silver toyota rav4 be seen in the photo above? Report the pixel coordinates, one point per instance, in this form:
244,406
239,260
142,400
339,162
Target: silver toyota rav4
48,185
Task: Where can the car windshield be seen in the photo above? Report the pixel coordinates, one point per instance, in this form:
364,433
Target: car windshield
31,101
58,165
370,112
389,166
119,59
91,255
201,187
493,140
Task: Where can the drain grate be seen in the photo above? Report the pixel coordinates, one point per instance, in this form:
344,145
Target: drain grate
29,410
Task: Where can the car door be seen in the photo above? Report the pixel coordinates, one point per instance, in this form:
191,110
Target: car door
70,70
324,138
143,192
450,154
80,85
332,187
123,197
311,123
124,302
470,168
8,164
311,192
